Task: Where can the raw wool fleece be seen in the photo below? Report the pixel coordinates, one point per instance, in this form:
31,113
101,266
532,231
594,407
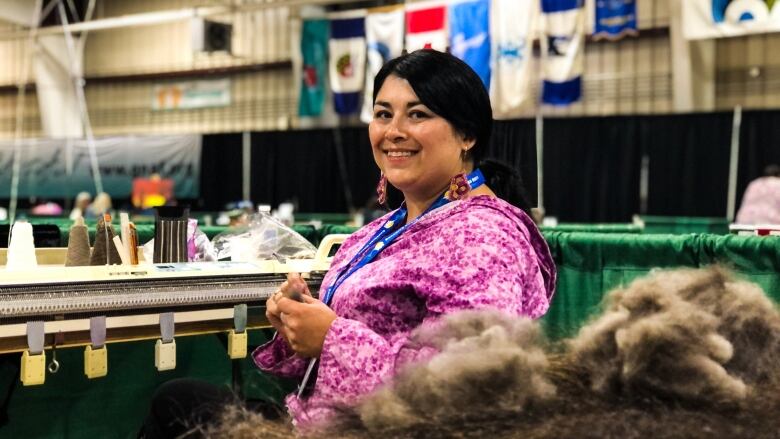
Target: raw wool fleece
673,355
696,335
236,422
483,356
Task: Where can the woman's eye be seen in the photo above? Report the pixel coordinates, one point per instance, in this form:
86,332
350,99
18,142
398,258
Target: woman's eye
418,115
382,114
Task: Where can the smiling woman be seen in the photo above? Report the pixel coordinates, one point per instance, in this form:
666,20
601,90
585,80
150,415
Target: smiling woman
460,241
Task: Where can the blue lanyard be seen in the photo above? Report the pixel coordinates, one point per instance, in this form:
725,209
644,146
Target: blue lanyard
385,236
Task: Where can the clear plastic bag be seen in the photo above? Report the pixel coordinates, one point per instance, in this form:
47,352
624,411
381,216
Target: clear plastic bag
199,248
264,237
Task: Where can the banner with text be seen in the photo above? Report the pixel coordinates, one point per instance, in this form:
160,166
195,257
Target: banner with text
186,95
53,168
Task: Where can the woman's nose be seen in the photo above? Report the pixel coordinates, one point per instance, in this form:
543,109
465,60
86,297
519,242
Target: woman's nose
395,131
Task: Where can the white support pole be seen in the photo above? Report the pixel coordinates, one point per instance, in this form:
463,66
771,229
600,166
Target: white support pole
246,165
539,160
78,84
734,163
18,132
644,183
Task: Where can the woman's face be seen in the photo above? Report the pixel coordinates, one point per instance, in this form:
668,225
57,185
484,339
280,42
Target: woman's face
417,150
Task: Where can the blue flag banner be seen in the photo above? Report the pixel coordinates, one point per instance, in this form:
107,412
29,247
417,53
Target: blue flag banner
470,37
615,19
347,59
562,50
314,51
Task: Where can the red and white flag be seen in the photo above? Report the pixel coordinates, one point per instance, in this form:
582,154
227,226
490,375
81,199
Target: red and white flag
426,26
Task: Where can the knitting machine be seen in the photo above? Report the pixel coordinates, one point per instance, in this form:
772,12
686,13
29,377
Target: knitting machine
55,306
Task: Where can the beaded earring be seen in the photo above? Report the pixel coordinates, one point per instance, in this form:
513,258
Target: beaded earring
381,189
459,187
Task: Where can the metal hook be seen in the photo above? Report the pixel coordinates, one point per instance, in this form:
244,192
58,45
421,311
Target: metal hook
54,365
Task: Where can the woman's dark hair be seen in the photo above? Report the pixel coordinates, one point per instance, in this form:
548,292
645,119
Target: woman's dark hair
772,170
452,90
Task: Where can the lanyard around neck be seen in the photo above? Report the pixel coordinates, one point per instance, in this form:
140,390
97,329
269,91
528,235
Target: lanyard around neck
387,234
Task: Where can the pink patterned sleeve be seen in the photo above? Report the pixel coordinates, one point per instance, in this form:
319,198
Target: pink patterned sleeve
278,358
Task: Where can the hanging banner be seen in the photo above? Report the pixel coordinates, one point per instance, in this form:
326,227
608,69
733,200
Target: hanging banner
384,41
729,18
53,168
347,65
426,26
185,95
615,19
512,35
470,37
562,47
314,52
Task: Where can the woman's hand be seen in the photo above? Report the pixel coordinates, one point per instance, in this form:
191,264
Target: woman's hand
273,314
293,287
305,324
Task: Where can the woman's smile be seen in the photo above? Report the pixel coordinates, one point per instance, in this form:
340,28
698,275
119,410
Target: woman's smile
399,156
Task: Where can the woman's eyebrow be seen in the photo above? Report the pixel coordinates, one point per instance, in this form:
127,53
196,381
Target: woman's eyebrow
387,104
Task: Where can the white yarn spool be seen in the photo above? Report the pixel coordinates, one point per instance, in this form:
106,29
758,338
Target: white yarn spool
21,249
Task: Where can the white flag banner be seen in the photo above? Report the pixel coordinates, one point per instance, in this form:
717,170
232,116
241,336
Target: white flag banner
728,18
512,33
562,45
384,41
426,26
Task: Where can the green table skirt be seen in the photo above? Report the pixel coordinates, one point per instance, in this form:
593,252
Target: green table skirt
589,265
69,405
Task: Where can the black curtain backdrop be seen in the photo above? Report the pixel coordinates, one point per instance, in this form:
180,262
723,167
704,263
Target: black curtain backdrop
514,142
591,169
759,147
689,163
591,165
303,167
220,170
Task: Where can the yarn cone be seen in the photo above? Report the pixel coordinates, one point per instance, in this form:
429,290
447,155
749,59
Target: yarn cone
78,245
104,245
21,249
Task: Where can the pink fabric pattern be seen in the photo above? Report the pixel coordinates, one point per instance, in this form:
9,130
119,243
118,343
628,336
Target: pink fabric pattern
476,253
761,202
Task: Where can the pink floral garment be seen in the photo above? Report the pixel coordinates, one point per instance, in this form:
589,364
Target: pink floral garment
761,202
477,253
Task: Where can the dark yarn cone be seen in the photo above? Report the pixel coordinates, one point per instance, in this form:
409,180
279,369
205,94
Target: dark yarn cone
104,235
78,245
